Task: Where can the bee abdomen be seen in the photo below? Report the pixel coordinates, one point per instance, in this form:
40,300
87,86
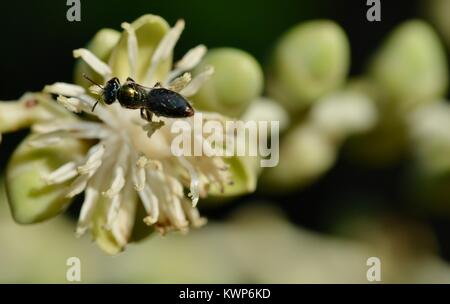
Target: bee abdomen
167,103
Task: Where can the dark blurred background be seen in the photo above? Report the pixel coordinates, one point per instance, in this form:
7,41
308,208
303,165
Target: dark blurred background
37,44
38,40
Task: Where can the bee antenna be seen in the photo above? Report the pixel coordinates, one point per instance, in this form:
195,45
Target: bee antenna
95,104
92,81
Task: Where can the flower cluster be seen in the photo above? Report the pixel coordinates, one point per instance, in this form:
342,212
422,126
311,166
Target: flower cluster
129,159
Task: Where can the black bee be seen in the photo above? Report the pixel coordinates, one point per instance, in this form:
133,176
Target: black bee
156,100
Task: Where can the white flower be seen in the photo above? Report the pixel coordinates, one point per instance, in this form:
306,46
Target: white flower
131,158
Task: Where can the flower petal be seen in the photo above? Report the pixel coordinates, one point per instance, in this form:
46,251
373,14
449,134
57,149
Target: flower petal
31,198
63,88
149,30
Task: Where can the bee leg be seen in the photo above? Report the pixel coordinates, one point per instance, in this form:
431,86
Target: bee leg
143,114
151,126
158,85
148,115
158,124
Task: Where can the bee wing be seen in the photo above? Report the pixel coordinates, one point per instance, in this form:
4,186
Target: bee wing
180,83
157,85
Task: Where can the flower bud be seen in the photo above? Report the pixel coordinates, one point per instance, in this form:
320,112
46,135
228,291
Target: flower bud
429,174
236,82
265,109
305,154
438,14
411,67
309,61
345,113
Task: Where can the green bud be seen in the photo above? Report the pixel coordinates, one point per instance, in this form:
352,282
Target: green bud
30,198
438,14
305,154
429,129
381,146
265,109
411,67
101,45
344,113
236,82
428,182
309,61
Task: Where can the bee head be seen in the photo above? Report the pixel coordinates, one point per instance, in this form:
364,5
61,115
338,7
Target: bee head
110,90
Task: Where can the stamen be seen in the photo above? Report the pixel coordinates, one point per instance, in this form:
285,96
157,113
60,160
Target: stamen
78,185
132,45
62,125
87,209
139,175
96,64
195,181
165,48
66,89
177,214
193,215
123,223
113,211
189,61
62,174
100,111
80,130
175,186
45,140
150,202
93,161
117,184
197,82
121,227
72,104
